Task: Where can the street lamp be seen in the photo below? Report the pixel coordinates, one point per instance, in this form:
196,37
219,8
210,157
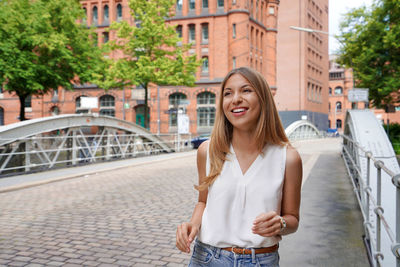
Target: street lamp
307,30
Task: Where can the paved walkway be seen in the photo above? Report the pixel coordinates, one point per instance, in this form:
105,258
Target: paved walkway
106,215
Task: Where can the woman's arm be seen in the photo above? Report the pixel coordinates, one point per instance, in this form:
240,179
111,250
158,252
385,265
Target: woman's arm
291,194
187,231
269,224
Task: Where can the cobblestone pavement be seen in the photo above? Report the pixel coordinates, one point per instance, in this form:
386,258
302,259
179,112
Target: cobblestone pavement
128,217
125,217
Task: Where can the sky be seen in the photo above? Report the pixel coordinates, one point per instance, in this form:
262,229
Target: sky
336,9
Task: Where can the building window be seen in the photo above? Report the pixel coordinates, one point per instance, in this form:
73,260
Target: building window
95,16
107,105
220,3
338,106
106,15
206,109
105,37
338,90
338,124
205,3
84,19
1,116
330,91
179,31
329,106
28,101
54,111
234,62
204,31
179,5
234,30
176,105
78,108
119,12
192,4
271,10
192,33
204,66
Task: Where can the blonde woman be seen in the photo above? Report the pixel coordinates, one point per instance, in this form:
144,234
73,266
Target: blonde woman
249,180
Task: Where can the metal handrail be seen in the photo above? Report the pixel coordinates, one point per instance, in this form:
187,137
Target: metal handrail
367,199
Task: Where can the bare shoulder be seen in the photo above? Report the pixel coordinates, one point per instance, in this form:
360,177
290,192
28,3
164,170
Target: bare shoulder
202,152
292,156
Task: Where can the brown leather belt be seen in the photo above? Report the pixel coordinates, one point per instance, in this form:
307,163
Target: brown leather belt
248,250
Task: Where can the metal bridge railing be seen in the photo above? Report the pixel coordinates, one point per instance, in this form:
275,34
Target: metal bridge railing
368,202
73,147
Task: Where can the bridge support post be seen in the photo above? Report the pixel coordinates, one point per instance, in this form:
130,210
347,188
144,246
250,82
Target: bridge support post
396,247
74,148
27,156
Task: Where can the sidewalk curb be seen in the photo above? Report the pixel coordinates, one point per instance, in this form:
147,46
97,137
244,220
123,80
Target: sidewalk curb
72,176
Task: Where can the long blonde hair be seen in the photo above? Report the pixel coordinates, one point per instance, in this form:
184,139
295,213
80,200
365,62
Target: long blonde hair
269,129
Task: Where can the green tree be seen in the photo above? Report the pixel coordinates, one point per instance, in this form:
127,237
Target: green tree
43,47
370,45
153,52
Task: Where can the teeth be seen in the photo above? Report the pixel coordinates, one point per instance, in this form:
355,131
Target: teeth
238,110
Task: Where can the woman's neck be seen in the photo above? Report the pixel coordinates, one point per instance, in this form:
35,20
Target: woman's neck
244,141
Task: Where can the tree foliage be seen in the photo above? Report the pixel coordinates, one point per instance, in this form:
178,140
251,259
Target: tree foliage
43,47
152,51
370,45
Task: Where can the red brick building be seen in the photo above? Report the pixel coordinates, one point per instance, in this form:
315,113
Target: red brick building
302,62
340,82
226,34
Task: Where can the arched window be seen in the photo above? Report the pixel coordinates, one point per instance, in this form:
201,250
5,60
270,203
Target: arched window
54,111
95,16
105,37
176,105
1,116
338,90
106,15
192,33
179,31
107,105
205,109
338,106
119,12
330,91
204,66
329,106
204,33
338,124
78,108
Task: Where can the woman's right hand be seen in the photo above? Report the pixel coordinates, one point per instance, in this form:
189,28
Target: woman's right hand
185,235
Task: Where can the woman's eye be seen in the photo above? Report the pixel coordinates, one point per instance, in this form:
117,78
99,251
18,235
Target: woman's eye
246,90
227,93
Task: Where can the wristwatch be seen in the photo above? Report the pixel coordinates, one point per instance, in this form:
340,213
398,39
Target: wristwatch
283,223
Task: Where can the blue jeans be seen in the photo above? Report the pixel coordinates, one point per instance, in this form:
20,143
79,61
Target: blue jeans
206,255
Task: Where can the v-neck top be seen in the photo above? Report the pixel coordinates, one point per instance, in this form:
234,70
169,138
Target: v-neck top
235,199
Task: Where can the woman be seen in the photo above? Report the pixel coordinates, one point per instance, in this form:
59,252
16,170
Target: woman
249,180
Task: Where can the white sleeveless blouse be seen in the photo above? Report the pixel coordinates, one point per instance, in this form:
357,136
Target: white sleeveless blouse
234,200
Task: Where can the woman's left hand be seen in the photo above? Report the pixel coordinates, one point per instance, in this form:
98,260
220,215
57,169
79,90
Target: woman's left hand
267,224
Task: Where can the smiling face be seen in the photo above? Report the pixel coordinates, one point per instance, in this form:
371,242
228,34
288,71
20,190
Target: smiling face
240,103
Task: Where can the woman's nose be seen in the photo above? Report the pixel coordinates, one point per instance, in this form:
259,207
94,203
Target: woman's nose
237,98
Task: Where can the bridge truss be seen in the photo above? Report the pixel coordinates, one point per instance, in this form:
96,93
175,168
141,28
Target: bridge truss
70,140
375,175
